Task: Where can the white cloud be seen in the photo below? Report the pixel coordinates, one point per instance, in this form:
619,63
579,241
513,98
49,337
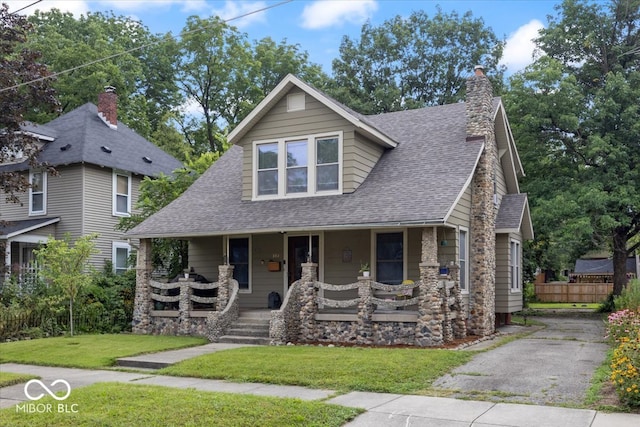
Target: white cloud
518,52
324,14
77,8
234,9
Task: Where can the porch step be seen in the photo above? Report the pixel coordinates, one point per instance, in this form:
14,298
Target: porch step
250,328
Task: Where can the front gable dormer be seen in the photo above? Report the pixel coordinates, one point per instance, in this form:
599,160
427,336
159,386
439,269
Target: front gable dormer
300,143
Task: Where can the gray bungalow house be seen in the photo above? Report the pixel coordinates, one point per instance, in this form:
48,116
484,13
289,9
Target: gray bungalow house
100,163
311,194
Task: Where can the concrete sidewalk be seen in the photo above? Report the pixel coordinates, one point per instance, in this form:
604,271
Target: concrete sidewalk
382,409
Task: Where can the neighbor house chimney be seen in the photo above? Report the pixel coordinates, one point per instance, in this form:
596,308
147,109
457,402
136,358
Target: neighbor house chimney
108,107
480,130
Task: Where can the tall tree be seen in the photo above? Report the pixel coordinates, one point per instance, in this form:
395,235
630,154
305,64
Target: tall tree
24,87
141,66
576,115
413,62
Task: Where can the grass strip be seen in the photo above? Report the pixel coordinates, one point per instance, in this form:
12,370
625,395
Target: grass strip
390,370
8,378
89,351
114,404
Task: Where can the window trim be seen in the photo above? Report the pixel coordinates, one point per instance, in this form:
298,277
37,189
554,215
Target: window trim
43,211
115,193
249,289
312,163
114,247
464,268
517,286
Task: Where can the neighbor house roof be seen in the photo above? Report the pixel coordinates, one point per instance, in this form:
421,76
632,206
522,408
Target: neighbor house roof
417,182
9,229
80,136
601,266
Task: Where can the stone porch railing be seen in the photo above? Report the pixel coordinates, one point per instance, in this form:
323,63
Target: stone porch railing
370,319
211,321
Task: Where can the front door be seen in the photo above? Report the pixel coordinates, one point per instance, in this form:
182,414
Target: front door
299,253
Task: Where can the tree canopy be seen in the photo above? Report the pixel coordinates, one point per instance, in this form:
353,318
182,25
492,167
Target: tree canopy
576,115
24,88
414,62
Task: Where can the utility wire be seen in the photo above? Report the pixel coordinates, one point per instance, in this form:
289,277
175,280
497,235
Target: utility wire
115,55
25,7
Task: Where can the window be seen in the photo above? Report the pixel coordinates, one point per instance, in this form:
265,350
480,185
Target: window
120,257
463,260
121,194
514,263
295,167
239,258
37,193
390,258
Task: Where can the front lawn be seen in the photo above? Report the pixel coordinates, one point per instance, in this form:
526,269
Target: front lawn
392,370
89,351
112,404
563,305
7,378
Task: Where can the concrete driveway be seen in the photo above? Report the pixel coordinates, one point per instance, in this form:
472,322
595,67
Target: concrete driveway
549,367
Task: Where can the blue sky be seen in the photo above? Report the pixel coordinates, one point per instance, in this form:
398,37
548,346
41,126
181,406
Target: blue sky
318,26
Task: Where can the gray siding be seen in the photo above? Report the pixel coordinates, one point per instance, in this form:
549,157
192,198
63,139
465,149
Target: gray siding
263,281
507,301
64,199
359,154
205,255
461,213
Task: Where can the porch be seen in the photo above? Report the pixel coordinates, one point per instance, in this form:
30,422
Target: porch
426,312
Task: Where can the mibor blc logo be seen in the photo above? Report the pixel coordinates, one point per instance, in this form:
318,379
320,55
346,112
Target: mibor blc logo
33,390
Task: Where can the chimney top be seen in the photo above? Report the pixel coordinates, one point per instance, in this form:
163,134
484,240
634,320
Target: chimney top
107,107
479,70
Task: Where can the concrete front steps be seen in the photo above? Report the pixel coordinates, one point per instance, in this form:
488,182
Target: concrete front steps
251,327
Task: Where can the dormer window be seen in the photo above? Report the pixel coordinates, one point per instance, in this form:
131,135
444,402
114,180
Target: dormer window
301,166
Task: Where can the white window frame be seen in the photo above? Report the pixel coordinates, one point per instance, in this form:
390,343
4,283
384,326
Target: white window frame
464,269
515,265
249,289
43,211
114,247
115,195
311,166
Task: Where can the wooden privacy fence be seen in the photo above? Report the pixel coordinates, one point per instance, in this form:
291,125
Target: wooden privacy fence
573,292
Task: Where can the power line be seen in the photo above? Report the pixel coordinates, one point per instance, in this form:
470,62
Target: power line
115,55
25,7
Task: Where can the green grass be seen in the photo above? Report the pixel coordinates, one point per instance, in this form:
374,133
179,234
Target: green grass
7,378
563,305
392,370
89,351
111,404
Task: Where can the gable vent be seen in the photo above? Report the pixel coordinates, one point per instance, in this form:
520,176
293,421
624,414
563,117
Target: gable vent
65,147
147,159
105,149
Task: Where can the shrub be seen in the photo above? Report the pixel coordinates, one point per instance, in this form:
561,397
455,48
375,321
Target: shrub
623,324
629,297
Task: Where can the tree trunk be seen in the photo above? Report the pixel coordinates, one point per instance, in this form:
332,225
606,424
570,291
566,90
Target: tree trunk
71,316
620,255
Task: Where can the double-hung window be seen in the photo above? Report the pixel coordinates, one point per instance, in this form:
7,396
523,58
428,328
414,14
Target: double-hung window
120,257
463,259
301,166
514,264
121,194
38,193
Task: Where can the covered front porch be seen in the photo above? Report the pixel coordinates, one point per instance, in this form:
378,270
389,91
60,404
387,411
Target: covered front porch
412,296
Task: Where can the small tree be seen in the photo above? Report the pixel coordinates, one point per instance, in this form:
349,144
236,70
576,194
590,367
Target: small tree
66,266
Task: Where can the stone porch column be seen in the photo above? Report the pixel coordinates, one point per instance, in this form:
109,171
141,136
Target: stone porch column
142,303
459,325
225,274
429,325
184,306
308,299
365,311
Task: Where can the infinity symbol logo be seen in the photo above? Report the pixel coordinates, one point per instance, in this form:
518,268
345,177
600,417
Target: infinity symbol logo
47,389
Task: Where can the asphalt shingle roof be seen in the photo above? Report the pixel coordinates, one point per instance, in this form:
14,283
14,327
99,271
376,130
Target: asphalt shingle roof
85,134
8,228
511,210
417,182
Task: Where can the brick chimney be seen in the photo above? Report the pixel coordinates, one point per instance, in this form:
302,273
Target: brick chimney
108,107
480,129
